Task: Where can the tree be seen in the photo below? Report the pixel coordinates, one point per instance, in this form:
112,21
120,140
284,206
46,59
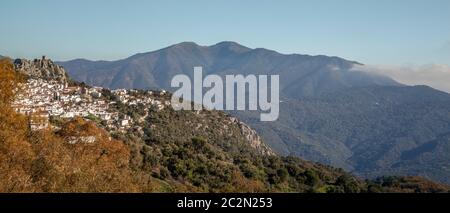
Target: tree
9,80
16,154
349,184
312,179
282,174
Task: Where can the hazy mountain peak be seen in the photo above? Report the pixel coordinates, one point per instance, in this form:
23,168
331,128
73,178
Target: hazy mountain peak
231,45
227,48
228,43
264,51
80,60
221,46
301,74
186,45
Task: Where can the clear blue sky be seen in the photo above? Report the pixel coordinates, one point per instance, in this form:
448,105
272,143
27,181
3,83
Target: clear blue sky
369,31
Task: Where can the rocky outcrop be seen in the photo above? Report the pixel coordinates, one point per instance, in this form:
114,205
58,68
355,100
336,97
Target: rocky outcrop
41,68
253,138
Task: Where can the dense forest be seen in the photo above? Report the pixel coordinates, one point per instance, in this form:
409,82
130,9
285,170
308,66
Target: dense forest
173,151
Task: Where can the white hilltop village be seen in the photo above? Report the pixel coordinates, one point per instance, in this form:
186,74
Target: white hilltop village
43,97
48,94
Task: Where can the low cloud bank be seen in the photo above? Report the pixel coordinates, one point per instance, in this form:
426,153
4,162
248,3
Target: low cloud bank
433,75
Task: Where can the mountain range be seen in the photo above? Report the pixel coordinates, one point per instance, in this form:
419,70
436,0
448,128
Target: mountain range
163,150
330,112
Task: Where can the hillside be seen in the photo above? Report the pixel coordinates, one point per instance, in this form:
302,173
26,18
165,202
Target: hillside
167,151
330,112
375,130
163,151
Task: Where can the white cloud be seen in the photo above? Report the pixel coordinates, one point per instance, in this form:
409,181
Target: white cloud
434,75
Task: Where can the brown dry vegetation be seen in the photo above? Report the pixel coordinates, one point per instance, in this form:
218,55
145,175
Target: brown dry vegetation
44,162
168,157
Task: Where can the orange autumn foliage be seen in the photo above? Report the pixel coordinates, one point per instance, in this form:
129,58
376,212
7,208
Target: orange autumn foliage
45,161
16,154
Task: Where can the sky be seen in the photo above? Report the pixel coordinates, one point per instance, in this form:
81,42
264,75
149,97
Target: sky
400,32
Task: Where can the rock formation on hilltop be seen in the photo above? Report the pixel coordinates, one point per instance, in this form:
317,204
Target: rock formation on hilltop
41,68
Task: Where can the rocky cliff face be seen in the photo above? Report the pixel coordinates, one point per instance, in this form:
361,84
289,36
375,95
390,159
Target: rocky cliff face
253,138
41,68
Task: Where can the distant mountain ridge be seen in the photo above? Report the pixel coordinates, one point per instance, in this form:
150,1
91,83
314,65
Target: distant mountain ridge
172,151
330,112
300,74
164,150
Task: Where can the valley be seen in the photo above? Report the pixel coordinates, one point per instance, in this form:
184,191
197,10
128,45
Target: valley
329,112
161,150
